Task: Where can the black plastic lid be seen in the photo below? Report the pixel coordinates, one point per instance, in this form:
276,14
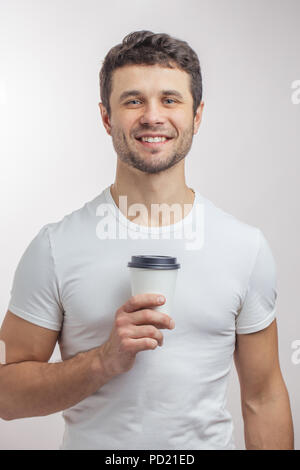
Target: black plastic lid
153,262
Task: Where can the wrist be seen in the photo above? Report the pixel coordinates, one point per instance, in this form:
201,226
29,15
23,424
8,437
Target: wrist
102,364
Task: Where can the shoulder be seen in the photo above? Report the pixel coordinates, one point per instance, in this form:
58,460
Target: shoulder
76,221
228,231
74,230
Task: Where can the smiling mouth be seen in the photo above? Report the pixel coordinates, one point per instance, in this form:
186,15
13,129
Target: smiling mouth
154,144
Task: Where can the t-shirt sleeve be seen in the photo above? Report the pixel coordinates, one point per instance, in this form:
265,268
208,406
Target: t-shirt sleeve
259,305
35,290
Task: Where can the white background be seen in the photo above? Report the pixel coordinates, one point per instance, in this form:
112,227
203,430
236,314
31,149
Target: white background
55,153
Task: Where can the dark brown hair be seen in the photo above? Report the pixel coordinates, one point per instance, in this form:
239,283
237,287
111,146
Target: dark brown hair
148,48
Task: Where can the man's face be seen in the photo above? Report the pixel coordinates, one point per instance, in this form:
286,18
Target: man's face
161,104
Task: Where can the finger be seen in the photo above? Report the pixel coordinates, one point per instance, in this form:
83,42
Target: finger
136,302
151,317
141,344
146,331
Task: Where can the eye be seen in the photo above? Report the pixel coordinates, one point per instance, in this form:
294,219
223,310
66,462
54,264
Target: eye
169,99
131,101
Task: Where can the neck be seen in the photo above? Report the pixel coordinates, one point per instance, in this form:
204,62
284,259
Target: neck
167,187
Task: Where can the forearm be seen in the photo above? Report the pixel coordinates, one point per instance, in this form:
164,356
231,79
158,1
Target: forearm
268,423
37,389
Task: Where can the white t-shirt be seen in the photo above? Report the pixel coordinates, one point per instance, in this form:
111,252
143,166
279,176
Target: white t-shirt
73,277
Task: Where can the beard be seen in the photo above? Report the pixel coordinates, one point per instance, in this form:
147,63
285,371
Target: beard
152,160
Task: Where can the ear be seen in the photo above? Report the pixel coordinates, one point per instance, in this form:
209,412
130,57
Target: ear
105,118
198,117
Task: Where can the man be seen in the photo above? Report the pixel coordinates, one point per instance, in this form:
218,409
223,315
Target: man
116,388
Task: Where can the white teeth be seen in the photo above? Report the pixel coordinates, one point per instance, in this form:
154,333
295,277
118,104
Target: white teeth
153,139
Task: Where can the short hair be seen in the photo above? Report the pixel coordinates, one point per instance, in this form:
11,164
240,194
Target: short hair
147,48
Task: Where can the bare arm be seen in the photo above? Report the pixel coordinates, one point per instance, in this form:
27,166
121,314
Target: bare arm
264,396
29,385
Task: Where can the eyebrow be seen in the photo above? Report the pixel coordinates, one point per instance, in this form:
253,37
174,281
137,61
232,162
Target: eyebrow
128,93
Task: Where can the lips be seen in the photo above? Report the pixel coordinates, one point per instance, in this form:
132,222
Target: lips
153,144
153,135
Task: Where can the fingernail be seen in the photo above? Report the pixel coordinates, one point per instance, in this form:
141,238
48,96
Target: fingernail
172,324
160,299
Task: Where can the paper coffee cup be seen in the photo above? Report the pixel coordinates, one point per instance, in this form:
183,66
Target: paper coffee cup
154,274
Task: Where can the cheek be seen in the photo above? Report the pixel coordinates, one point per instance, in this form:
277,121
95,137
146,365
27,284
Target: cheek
181,121
119,132
127,119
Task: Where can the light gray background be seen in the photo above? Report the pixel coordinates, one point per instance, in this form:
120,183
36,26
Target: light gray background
56,155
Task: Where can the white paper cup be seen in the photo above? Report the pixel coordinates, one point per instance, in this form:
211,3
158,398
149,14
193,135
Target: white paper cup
154,274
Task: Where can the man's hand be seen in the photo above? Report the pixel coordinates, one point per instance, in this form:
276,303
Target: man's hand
136,328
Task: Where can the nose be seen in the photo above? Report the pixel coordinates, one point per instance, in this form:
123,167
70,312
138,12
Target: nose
152,115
